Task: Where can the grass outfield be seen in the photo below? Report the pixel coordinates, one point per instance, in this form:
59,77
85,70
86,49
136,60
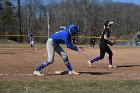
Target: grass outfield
116,86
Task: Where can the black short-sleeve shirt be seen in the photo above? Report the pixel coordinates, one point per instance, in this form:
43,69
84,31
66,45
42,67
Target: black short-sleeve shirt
107,32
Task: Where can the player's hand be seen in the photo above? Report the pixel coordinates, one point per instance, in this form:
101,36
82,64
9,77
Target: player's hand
81,49
112,42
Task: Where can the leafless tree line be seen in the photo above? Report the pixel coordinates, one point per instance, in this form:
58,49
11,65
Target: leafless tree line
24,16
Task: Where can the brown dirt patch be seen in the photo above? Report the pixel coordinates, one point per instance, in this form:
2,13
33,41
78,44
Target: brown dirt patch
19,64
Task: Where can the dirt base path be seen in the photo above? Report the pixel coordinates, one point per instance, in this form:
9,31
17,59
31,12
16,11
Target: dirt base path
19,64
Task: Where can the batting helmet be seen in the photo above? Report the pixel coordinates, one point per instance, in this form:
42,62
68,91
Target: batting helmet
72,29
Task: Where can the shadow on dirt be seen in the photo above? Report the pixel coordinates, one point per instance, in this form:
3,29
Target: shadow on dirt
95,73
7,53
63,73
89,73
127,66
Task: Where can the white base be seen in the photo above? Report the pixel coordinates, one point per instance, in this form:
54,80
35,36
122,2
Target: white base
59,72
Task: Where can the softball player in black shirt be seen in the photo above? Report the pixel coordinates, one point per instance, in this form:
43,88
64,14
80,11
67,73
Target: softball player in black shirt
104,41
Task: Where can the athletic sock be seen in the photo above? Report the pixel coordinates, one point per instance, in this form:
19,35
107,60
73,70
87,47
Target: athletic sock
66,61
69,67
110,60
44,64
95,59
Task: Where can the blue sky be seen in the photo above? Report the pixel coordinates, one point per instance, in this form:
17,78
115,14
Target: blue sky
128,1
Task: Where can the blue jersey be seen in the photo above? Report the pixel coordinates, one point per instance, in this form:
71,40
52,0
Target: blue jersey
63,37
30,37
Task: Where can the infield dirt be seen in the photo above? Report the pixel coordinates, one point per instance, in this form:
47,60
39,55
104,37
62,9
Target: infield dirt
19,64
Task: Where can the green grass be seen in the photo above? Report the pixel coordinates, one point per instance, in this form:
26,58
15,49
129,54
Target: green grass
117,86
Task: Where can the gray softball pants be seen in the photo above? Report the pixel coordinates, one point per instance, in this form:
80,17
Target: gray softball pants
52,48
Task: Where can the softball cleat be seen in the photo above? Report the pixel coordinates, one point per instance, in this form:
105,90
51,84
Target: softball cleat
37,73
73,73
90,64
111,66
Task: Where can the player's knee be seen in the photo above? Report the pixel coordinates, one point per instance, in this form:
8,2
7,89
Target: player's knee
64,56
65,59
50,62
101,57
67,62
111,54
47,62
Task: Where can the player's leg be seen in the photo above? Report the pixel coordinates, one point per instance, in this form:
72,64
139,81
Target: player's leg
102,54
91,44
32,44
108,50
64,56
30,41
50,50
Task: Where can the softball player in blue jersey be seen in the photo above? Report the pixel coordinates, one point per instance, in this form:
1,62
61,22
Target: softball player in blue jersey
53,45
31,40
104,41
